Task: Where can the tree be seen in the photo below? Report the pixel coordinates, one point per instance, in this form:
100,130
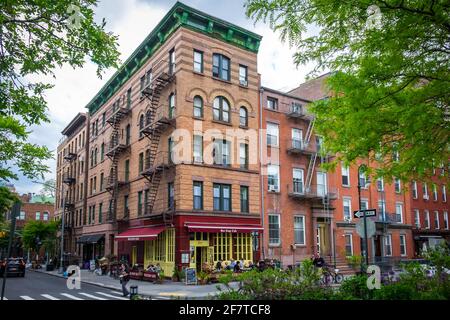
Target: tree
36,233
35,38
390,76
7,199
49,188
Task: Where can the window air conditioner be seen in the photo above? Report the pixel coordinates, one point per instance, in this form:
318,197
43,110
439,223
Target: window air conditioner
272,188
426,197
347,219
293,246
243,82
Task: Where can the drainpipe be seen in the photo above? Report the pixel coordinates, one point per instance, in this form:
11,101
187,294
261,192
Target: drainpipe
261,90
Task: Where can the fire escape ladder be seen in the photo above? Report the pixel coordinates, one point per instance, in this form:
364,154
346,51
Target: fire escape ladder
310,172
309,132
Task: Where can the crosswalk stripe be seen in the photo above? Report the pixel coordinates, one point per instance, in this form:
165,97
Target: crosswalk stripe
5,298
26,298
91,296
49,297
117,292
111,296
71,296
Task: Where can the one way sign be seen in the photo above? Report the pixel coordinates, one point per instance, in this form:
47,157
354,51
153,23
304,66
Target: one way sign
367,213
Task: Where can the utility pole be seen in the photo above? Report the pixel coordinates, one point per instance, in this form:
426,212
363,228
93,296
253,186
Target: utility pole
14,213
366,242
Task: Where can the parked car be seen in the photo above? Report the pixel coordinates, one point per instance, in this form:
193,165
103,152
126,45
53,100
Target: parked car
16,266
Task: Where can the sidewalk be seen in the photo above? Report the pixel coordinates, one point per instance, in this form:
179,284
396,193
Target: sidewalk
167,290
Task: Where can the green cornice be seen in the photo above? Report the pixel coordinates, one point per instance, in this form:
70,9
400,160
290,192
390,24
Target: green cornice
179,16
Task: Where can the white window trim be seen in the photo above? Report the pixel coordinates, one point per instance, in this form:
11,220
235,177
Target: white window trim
345,171
417,218
401,213
388,236
446,220
436,215
277,189
351,241
406,248
444,194
350,208
427,219
304,230
279,230
415,192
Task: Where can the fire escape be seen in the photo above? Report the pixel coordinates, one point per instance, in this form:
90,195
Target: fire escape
159,118
117,145
68,178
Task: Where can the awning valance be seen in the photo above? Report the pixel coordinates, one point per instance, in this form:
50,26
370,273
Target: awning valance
222,227
94,238
140,234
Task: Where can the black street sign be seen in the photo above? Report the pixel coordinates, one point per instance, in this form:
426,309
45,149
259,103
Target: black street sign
367,213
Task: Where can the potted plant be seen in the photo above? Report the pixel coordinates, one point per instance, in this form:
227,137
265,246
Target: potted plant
354,262
203,277
176,274
160,277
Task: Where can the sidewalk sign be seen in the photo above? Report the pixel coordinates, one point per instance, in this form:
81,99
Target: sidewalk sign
191,276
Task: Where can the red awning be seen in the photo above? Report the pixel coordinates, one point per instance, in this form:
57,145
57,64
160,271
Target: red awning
222,227
140,234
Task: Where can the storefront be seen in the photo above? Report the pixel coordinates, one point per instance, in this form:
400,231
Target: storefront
92,246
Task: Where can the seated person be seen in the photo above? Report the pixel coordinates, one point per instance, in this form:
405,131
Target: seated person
237,267
151,268
318,261
158,268
219,265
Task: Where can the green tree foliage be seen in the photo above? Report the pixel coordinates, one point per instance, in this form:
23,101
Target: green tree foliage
7,199
38,229
49,188
35,38
391,79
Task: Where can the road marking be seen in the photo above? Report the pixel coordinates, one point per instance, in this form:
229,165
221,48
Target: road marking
117,292
49,297
91,296
71,296
5,298
111,296
26,298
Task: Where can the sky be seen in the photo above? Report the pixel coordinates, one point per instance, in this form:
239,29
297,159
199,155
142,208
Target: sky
132,21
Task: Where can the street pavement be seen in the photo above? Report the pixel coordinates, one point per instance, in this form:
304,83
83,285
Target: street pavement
41,286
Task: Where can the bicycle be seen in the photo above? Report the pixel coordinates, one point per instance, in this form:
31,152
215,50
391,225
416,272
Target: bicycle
331,276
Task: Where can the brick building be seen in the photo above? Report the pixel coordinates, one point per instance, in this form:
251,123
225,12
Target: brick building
192,74
33,208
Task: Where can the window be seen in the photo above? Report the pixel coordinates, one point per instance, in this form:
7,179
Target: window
142,82
38,215
272,103
321,184
125,206
198,107
299,230
222,152
297,137
436,220
198,195
382,209
102,151
96,127
127,170
101,181
127,134
129,98
148,117
380,184
139,203
149,77
243,77
364,204
399,212
444,194
417,218
244,199
171,105
243,117
170,146
45,216
388,245
272,134
363,181
345,172
146,191
348,245
427,219
93,214
22,215
221,109
397,185
171,198
141,125
198,149
446,220
425,191
103,119
274,229
141,162
296,108
221,67
222,197
172,61
95,184
414,189
297,180
243,155
273,178
403,245
347,205
198,61
435,192
100,213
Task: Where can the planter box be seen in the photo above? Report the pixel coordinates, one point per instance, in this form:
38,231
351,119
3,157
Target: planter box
136,275
150,276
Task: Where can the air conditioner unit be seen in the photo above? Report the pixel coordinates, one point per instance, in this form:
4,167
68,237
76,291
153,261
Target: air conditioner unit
198,159
272,188
243,82
347,219
293,246
426,197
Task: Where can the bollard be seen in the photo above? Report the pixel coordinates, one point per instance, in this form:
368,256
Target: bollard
133,291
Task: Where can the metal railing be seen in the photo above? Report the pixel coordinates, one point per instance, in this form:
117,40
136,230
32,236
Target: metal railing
162,70
117,142
162,159
300,146
68,178
299,190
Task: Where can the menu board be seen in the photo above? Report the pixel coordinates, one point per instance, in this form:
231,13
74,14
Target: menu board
191,276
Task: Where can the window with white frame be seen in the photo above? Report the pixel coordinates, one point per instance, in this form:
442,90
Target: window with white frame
363,180
446,220
299,230
417,218
297,138
273,177
427,219
414,189
321,183
397,185
22,215
436,220
198,149
444,194
364,204
274,229
425,191
347,205
380,184
388,245
435,192
297,180
38,215
403,245
348,244
45,216
345,172
272,134
399,212
382,209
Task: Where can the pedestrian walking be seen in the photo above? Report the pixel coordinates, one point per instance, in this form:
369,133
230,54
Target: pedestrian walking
124,278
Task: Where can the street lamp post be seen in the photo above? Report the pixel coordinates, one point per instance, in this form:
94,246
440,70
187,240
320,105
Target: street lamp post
366,242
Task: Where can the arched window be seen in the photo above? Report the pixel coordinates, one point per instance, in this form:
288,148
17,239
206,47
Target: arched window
198,107
128,134
148,117
95,156
102,151
221,109
171,105
243,117
141,124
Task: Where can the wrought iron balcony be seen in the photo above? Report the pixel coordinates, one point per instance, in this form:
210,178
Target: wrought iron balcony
162,74
70,156
159,120
113,180
116,146
160,161
115,114
298,112
315,192
298,146
68,178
